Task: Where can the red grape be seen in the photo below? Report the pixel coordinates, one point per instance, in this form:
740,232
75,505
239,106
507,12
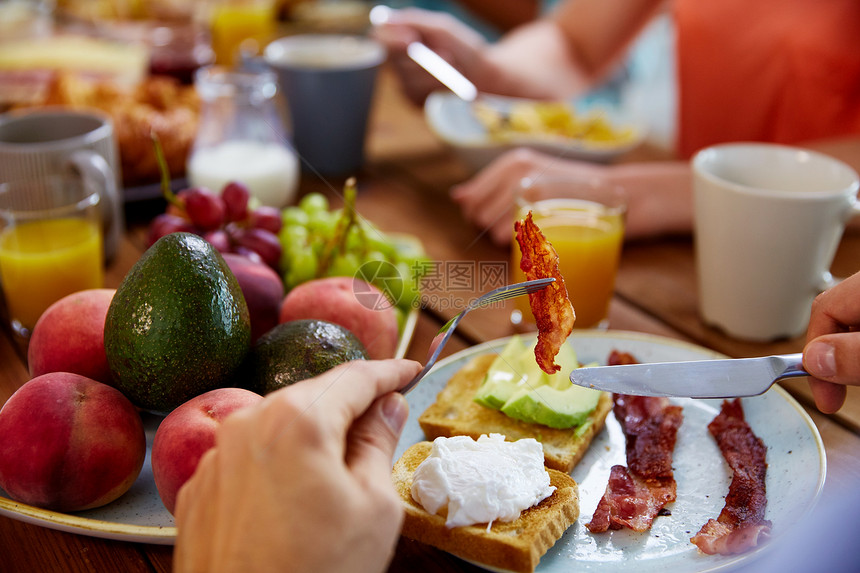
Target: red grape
178,210
262,242
249,254
268,218
204,208
219,239
235,196
167,223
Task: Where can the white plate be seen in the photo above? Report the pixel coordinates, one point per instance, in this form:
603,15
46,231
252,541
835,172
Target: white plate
796,466
454,122
138,516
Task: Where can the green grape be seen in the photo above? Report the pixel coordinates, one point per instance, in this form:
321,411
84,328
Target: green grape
391,285
294,217
309,231
407,250
375,256
316,244
410,294
303,268
285,263
314,203
322,223
355,241
344,265
293,236
378,242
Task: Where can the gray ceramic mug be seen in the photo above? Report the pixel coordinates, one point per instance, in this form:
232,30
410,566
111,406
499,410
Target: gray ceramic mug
39,143
328,82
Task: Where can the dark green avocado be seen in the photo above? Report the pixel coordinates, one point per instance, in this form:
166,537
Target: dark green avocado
297,350
178,324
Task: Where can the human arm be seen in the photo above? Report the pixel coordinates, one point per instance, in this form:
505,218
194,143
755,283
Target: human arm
568,51
832,352
556,56
659,196
504,14
293,482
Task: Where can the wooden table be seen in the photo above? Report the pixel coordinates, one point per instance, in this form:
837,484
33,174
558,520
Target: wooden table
404,188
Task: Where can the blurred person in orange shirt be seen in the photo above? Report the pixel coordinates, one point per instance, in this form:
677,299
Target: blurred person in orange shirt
781,71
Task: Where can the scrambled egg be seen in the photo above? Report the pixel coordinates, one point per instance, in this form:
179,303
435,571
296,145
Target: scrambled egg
550,120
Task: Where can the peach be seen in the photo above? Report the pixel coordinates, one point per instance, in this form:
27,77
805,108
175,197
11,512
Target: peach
187,433
69,443
263,291
69,336
335,299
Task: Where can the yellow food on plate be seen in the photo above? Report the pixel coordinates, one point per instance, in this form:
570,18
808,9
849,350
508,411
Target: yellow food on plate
550,120
126,63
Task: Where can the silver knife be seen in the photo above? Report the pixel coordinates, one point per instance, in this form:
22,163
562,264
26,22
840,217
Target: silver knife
695,379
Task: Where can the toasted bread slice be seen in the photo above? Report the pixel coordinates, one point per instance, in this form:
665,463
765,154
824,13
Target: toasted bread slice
514,546
456,414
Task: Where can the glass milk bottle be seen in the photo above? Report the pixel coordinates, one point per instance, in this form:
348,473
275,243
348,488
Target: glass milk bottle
241,137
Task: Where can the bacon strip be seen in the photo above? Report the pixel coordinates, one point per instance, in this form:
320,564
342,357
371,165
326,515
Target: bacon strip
741,524
635,496
551,306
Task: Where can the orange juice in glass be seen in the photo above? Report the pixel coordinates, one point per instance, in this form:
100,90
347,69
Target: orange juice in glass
50,246
584,221
238,26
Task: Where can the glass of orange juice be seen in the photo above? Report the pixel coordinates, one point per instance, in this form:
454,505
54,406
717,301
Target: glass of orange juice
241,26
584,221
50,244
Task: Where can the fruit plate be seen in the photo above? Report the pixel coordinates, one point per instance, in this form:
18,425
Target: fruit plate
138,516
796,466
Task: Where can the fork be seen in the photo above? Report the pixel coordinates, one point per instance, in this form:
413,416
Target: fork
445,333
433,63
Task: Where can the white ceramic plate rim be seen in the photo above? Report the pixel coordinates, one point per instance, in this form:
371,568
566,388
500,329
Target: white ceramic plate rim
564,556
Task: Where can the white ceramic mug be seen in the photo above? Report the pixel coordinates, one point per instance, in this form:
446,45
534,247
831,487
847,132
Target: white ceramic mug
768,220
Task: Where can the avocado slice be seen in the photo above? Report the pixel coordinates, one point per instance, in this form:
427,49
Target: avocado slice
517,386
567,359
505,375
552,406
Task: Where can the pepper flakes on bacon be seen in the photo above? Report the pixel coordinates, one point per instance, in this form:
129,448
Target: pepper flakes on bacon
551,306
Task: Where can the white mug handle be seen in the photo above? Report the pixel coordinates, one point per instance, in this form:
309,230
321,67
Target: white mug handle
828,281
93,168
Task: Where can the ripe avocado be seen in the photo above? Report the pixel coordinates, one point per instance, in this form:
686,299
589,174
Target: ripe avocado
297,350
177,326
